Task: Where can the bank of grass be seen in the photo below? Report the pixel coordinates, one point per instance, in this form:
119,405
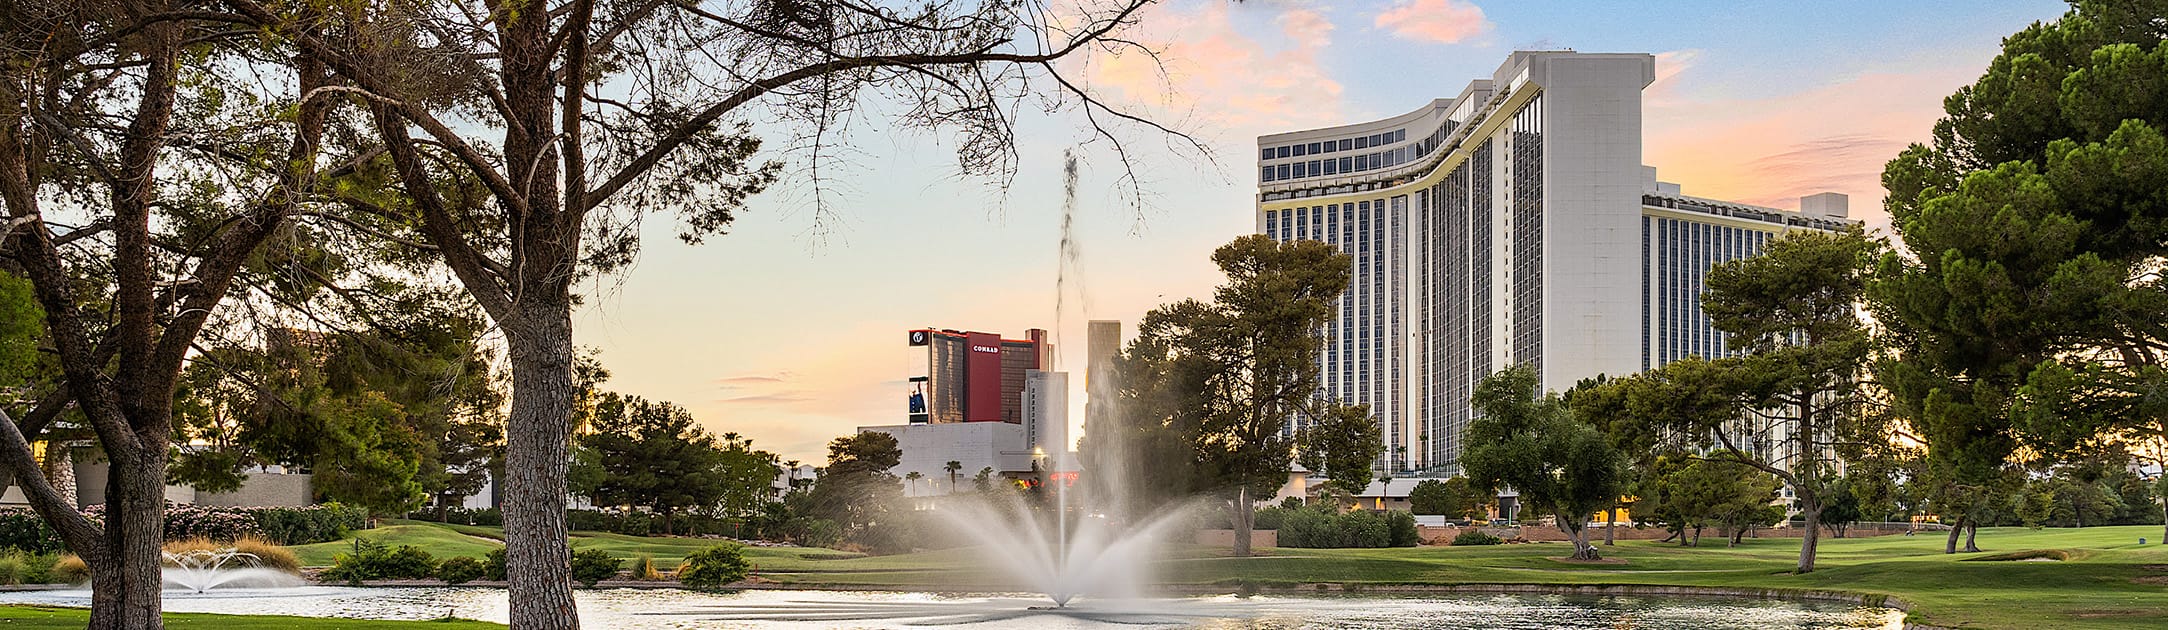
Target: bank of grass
57,618
2105,581
444,541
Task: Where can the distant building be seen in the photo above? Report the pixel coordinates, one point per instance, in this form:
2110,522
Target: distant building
1512,224
984,403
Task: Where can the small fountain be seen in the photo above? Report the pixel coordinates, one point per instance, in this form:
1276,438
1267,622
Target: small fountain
201,570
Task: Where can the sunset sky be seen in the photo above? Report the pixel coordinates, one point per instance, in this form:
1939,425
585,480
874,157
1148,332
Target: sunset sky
790,329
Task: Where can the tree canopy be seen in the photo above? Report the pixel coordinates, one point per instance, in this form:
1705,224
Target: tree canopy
1529,442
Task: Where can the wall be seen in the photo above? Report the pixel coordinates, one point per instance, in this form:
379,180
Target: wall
263,490
1259,538
927,448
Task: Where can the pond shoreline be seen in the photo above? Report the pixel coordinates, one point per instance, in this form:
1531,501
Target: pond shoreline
1307,588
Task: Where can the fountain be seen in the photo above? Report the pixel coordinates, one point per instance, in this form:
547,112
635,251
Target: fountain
201,570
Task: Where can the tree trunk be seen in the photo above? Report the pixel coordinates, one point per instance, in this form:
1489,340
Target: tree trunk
1577,531
1810,506
1949,546
1610,523
1242,522
1697,537
538,561
1971,530
126,581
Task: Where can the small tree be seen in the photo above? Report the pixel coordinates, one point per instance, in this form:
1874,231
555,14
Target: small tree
1533,445
913,478
650,455
952,467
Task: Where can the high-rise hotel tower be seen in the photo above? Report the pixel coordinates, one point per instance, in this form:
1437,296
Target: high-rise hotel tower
1513,223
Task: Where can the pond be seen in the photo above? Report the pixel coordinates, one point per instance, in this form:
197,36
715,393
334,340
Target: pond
659,609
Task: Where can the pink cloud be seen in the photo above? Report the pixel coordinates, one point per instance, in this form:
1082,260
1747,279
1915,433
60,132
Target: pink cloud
1210,64
1437,21
1770,149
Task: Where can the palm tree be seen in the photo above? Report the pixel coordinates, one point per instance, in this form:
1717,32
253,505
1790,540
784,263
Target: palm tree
913,477
952,468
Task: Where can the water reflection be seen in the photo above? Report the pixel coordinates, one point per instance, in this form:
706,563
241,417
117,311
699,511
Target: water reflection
670,609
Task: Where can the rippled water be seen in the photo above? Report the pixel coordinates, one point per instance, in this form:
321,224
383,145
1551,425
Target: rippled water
658,609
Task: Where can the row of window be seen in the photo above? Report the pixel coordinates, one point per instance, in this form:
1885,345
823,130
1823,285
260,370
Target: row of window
1328,146
1676,258
1336,166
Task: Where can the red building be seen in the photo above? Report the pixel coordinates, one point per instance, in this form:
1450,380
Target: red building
975,376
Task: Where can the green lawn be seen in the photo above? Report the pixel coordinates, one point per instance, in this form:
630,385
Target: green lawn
2108,580
40,617
444,541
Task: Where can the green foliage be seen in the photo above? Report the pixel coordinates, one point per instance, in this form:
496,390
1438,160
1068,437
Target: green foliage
1321,527
714,567
461,570
1452,498
1475,537
653,455
371,560
1401,529
493,565
1206,389
1688,494
384,419
856,490
21,326
2028,314
1534,445
594,565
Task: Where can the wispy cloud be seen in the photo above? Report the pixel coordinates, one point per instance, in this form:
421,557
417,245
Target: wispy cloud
1435,21
765,399
1772,148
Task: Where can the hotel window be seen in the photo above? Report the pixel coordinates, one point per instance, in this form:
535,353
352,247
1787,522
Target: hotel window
1267,175
1313,168
1313,148
1282,171
1362,143
1301,169
1272,224
1347,145
1330,167
1281,152
1362,162
1267,154
1400,135
1300,150
1331,146
1347,165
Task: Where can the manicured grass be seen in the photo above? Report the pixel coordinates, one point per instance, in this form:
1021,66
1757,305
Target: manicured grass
444,541
438,540
43,617
2106,581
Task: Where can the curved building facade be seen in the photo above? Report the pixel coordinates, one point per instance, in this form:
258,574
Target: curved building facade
1510,224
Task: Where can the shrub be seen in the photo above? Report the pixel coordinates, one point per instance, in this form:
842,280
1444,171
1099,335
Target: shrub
13,565
493,565
713,567
594,565
1317,529
1269,518
23,530
643,568
184,522
69,569
460,570
1475,537
373,561
1401,526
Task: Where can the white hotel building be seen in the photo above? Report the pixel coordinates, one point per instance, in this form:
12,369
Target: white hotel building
1513,223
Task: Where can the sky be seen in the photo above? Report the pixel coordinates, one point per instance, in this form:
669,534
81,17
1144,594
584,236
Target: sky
791,328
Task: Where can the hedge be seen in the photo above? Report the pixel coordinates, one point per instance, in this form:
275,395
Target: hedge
23,530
